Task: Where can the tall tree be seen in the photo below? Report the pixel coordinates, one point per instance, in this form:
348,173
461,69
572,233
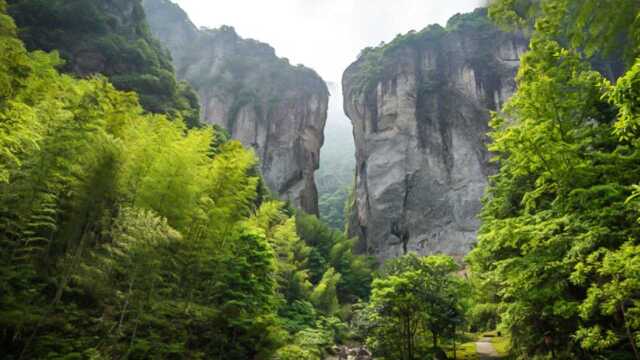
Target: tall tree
557,215
416,300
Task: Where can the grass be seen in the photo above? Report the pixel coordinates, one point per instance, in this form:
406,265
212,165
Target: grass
465,351
465,347
501,344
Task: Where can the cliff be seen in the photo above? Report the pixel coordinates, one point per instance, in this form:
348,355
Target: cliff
278,109
108,37
420,108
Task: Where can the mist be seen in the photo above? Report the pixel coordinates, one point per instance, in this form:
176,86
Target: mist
325,35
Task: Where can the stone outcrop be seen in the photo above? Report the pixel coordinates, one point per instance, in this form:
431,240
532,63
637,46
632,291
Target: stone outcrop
278,109
420,108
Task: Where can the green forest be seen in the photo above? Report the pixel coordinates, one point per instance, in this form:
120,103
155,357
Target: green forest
128,230
125,234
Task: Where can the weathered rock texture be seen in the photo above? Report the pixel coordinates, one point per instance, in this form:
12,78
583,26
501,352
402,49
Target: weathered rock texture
278,109
420,108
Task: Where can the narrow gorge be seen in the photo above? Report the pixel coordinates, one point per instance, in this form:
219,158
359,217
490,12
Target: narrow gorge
275,108
420,108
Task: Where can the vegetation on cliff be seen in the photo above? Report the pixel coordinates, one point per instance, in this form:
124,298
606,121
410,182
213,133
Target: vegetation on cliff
372,59
108,38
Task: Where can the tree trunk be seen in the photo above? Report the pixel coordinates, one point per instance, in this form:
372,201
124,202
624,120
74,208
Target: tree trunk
407,335
124,308
59,292
454,342
629,333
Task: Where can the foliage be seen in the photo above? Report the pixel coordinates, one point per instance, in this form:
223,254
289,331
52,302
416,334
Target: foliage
332,249
473,21
113,39
124,234
324,295
292,253
580,25
372,60
332,207
294,352
557,253
416,300
17,127
501,344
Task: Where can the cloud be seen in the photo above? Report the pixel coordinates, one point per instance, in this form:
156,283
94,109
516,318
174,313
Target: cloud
325,35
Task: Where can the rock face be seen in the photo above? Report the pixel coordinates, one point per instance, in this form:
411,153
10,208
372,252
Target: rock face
420,108
278,109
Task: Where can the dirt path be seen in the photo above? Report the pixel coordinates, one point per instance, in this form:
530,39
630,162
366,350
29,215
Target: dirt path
485,349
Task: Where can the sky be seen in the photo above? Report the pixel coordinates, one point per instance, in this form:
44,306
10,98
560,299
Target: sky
325,35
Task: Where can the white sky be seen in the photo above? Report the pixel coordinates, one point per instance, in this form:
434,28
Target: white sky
325,35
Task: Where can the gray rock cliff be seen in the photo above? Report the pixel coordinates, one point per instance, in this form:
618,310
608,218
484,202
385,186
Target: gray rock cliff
420,108
278,109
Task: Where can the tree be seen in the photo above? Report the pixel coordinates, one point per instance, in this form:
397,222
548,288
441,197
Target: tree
324,296
291,251
330,248
578,25
415,299
558,211
18,129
